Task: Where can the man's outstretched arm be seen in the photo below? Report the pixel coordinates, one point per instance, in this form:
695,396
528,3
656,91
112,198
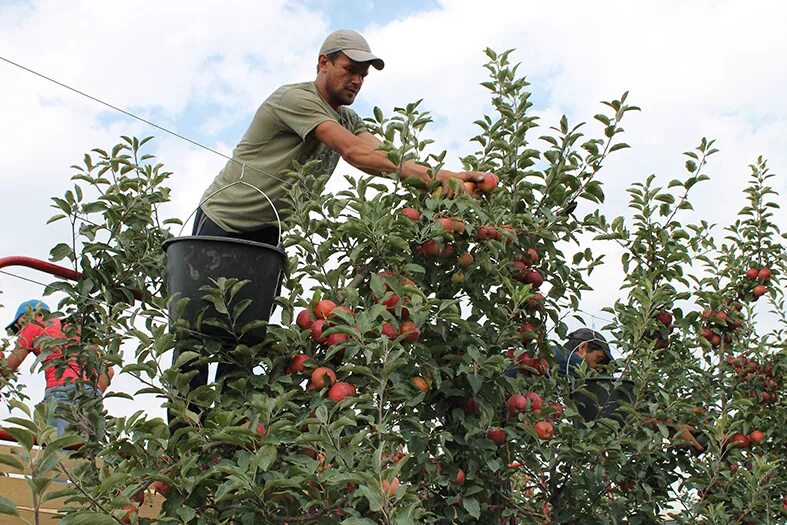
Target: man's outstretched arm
362,151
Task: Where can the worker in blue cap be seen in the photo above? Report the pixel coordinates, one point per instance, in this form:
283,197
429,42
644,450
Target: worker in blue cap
39,332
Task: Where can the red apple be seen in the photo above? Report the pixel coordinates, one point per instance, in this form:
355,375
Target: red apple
460,477
446,223
665,318
317,328
759,290
496,435
509,233
535,302
389,487
488,184
459,226
756,437
465,260
738,440
335,339
535,401
260,429
130,511
751,273
429,248
534,278
304,319
409,328
322,376
324,308
470,188
516,403
411,213
530,257
558,410
420,383
341,390
391,302
486,232
388,330
297,364
161,488
544,430
764,275
138,497
470,406
527,330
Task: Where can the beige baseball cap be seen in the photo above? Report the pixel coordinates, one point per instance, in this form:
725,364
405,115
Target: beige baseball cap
352,44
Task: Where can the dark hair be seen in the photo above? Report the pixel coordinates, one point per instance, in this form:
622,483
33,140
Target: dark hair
332,57
594,347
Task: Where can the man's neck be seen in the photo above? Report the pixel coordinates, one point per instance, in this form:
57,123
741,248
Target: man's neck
324,94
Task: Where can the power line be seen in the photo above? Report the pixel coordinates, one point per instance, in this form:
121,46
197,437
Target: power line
132,115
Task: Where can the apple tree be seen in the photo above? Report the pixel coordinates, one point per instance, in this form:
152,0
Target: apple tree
412,378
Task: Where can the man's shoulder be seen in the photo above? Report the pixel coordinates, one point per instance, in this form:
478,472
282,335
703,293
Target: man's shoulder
293,92
348,113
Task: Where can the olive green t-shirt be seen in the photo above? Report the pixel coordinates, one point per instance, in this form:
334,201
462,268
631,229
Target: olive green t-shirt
280,133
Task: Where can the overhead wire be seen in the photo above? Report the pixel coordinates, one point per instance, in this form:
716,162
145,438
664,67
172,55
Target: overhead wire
137,117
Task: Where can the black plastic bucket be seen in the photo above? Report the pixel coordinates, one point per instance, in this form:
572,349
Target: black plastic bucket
608,392
197,261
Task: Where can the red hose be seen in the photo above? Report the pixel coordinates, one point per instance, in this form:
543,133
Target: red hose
44,266
50,268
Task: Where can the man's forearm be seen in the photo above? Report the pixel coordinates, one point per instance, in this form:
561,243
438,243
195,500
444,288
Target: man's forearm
409,168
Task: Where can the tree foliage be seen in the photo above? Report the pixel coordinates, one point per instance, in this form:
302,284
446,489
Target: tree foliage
448,313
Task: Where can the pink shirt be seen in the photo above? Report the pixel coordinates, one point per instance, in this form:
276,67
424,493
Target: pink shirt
55,376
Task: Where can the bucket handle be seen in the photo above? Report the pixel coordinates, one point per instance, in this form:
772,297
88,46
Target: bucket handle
244,183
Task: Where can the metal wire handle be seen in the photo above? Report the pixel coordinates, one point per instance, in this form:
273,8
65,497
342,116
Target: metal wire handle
243,182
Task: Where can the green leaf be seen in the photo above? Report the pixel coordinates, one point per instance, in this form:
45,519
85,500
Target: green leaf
374,497
61,251
22,436
665,197
472,507
8,508
62,443
184,358
11,461
358,521
88,518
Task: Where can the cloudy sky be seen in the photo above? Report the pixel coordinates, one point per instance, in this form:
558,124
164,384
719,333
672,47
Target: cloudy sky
701,68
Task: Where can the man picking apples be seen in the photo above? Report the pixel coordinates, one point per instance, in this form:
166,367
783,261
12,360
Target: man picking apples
303,122
299,123
585,345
